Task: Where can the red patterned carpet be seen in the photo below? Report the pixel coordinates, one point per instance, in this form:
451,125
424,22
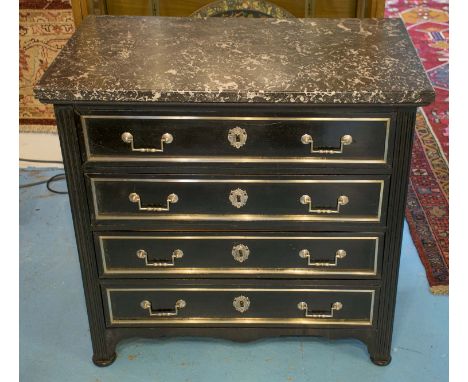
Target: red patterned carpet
427,209
45,26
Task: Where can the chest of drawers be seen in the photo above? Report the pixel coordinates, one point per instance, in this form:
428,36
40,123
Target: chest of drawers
237,178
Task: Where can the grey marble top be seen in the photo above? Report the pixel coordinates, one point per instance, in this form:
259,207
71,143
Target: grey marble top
158,59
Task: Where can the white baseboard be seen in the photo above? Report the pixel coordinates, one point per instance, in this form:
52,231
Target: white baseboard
39,146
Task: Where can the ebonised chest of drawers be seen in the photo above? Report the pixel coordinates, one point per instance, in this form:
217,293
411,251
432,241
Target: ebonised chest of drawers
237,178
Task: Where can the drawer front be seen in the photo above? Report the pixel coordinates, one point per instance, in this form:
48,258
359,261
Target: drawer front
322,254
219,199
236,139
235,306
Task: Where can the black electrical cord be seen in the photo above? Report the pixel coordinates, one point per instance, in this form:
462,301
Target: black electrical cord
39,160
33,184
47,182
56,178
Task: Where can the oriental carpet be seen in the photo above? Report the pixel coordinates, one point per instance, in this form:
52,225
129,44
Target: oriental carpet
427,207
44,28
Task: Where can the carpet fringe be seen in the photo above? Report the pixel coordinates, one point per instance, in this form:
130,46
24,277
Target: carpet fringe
440,289
43,129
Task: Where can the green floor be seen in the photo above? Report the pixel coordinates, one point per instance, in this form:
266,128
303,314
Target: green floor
54,334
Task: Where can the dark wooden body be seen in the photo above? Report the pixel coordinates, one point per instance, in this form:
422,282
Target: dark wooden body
388,228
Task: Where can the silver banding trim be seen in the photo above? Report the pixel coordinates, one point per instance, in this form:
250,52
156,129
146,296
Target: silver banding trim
229,159
235,217
214,270
250,320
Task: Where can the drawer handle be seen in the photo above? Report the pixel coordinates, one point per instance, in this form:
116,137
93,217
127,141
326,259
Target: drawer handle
135,198
180,304
334,307
344,141
240,252
177,254
341,201
165,138
340,254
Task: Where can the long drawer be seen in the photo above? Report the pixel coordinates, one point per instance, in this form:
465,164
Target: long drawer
216,198
142,255
319,139
240,306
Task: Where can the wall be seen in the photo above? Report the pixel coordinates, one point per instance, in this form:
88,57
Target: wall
39,146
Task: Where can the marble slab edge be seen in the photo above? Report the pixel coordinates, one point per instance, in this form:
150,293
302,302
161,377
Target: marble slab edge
125,96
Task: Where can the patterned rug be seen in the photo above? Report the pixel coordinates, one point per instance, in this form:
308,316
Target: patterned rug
45,26
427,208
